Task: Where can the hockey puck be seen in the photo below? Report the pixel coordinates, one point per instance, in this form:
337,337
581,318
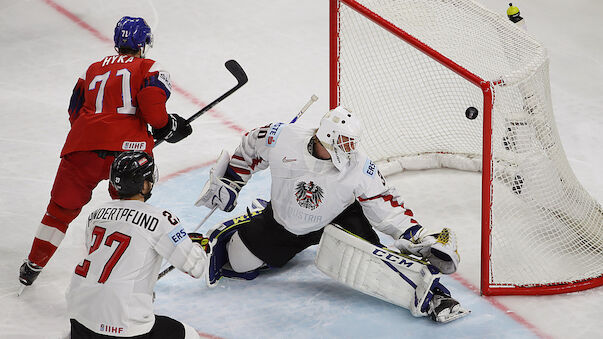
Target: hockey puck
471,113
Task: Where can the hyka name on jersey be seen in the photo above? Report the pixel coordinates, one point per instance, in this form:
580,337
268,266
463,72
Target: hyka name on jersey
133,216
117,58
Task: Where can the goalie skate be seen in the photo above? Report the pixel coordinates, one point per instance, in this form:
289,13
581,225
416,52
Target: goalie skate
443,309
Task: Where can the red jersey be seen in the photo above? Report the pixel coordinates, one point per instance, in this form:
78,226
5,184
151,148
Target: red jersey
114,101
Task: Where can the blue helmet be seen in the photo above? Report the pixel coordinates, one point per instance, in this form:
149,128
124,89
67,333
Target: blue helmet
133,33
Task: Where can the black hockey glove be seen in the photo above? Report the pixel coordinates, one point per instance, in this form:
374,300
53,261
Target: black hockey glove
176,129
201,240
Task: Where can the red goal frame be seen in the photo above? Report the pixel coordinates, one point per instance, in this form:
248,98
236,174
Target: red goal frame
487,89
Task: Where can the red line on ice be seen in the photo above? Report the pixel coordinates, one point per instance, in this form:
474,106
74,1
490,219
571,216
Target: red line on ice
500,306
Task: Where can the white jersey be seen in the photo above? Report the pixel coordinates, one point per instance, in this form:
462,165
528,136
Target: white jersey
111,291
308,193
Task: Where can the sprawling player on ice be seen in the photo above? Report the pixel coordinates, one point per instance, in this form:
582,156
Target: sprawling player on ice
112,104
111,291
319,178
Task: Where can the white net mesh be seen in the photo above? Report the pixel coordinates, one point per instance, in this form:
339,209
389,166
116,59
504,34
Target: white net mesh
545,228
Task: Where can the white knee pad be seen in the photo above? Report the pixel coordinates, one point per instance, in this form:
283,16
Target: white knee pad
189,332
240,257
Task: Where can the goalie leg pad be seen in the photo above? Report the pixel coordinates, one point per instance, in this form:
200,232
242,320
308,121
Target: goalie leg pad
376,271
219,236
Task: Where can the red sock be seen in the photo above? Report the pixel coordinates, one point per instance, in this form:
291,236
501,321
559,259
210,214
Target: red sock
50,233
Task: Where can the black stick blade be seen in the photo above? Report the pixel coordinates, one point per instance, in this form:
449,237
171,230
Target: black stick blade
237,71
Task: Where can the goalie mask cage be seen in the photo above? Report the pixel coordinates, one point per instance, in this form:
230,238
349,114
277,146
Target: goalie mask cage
411,69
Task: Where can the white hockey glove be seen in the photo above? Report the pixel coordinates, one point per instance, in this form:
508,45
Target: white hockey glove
439,249
220,191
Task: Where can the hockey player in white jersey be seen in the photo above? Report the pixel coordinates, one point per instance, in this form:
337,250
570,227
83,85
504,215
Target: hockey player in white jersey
319,178
111,291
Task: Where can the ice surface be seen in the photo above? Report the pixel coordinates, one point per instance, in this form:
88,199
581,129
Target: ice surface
283,46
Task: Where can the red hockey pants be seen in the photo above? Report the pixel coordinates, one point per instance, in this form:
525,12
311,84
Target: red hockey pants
78,174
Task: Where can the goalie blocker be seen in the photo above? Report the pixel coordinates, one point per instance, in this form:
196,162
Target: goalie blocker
393,277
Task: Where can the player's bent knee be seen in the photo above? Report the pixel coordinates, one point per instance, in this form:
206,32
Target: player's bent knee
240,257
190,332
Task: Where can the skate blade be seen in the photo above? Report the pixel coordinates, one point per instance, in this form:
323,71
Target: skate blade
20,290
456,314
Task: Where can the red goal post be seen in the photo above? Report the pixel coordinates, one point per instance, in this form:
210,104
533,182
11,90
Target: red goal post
411,69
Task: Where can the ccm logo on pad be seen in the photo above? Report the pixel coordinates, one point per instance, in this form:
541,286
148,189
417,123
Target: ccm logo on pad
385,255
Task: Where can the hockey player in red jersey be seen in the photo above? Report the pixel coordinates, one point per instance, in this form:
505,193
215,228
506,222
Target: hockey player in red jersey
111,290
112,104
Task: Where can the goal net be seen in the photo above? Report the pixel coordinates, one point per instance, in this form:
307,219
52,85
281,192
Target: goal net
416,71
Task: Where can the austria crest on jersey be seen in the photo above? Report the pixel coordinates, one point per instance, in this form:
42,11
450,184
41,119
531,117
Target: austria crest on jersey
308,195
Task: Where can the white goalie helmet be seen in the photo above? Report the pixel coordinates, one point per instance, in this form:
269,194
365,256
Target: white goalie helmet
339,133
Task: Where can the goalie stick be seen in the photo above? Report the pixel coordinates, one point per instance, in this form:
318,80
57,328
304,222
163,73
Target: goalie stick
171,268
237,71
303,110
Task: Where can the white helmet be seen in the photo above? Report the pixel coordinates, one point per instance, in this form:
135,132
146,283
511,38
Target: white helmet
339,133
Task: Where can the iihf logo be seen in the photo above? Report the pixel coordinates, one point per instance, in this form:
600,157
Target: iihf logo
111,329
308,195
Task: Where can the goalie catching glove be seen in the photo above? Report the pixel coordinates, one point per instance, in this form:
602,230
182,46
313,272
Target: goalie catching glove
218,190
439,249
176,129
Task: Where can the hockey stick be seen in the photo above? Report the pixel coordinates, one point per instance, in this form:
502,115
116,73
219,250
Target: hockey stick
237,71
310,102
171,268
